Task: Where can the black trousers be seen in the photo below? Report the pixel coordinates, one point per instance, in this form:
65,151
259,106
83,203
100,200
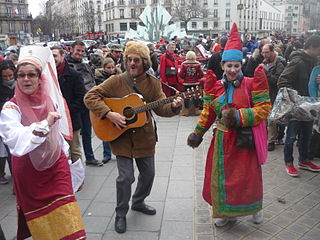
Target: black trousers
126,178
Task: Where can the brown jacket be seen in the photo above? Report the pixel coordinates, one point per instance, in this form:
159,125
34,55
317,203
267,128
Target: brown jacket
137,142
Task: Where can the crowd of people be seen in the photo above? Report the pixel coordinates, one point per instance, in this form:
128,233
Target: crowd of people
241,81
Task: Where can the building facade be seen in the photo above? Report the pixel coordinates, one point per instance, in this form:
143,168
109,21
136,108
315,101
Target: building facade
15,22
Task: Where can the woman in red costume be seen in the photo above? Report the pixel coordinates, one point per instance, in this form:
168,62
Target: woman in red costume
233,176
29,125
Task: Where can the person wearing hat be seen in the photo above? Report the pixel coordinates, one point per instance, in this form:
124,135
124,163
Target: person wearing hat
136,143
117,56
233,175
33,124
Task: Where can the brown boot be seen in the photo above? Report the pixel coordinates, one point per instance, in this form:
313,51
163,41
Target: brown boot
197,112
185,112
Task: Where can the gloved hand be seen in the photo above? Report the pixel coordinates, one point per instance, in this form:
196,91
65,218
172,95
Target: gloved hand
229,117
194,140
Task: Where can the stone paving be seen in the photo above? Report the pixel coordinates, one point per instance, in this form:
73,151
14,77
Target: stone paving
291,205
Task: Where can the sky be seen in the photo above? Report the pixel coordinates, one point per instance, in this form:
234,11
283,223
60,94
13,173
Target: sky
34,7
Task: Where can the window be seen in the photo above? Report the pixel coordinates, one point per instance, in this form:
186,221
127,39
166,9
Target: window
215,2
205,2
227,12
141,10
133,2
11,27
133,25
155,1
112,27
182,25
227,25
205,24
121,13
215,24
215,13
205,13
123,27
194,24
133,12
141,1
121,2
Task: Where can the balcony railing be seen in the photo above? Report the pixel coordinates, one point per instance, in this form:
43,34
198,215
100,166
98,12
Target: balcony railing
14,16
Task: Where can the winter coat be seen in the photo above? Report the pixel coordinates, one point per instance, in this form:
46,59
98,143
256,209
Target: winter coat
73,90
168,60
214,64
137,142
253,63
191,72
85,70
273,71
297,72
101,75
6,94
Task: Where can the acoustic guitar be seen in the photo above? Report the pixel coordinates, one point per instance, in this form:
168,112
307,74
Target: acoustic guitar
134,109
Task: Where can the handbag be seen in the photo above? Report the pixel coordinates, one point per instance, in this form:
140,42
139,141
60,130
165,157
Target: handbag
77,174
171,71
245,138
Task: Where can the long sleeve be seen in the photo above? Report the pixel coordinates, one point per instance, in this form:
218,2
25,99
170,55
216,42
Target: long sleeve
260,99
163,64
19,138
313,85
208,116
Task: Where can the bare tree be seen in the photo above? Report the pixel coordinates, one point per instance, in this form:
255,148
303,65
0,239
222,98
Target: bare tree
186,10
89,16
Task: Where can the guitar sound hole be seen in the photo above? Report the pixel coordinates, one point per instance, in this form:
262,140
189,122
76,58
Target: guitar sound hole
128,112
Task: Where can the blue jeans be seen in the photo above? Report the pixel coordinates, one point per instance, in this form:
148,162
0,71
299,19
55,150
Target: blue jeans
86,137
305,131
106,150
86,134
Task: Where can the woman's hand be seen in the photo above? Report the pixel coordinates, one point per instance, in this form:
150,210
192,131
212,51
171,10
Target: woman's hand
117,119
52,118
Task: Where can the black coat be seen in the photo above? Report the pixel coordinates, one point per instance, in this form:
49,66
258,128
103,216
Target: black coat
5,94
214,64
296,74
73,90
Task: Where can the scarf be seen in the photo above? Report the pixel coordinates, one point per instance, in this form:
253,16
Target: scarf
60,68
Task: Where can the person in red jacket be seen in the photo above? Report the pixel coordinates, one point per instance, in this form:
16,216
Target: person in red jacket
190,74
169,70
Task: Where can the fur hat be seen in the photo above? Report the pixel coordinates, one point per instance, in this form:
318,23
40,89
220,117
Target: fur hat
140,49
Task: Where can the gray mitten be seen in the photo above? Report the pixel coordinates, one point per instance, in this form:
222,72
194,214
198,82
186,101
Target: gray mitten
194,140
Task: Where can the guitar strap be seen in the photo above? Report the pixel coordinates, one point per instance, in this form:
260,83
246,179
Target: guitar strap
154,121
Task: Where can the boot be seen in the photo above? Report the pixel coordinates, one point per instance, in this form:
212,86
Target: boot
196,111
185,112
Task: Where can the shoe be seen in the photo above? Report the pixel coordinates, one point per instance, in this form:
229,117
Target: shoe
94,162
3,180
197,112
309,166
144,208
257,217
279,142
271,147
106,160
185,112
292,171
220,222
120,224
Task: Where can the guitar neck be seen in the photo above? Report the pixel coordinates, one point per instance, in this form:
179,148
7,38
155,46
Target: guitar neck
158,103
153,105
